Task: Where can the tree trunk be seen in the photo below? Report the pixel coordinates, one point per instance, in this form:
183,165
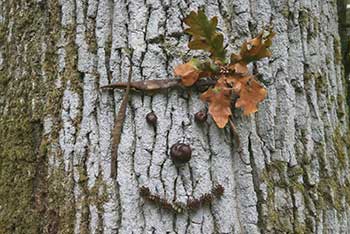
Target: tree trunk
290,173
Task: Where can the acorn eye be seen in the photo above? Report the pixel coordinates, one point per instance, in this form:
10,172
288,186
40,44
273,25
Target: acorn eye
151,119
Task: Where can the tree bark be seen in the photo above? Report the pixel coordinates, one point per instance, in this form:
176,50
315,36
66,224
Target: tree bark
290,173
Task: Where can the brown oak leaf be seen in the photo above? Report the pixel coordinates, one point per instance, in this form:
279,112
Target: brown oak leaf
232,81
240,68
219,99
250,92
188,72
254,49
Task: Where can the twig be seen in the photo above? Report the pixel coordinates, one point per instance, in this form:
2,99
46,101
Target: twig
118,124
154,85
147,85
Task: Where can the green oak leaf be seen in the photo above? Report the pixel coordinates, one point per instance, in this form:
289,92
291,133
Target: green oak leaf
204,35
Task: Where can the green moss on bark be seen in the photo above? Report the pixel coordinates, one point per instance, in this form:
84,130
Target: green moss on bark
279,176
341,144
337,50
304,18
34,202
20,119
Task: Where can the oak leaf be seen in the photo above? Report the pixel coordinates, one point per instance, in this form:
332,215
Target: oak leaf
219,99
204,35
240,68
250,92
254,49
188,72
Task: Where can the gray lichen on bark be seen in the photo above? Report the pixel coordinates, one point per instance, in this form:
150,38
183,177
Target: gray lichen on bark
290,174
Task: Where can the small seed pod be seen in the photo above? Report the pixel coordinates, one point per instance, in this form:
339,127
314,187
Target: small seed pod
218,190
180,153
201,116
151,118
193,204
207,198
165,204
144,191
178,207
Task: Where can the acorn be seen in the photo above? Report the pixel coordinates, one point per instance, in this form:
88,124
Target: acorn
201,116
180,153
151,118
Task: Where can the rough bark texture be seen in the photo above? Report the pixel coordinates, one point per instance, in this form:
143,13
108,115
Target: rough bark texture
56,124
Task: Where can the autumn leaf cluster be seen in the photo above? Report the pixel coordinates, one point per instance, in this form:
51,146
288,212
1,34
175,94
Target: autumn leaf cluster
231,75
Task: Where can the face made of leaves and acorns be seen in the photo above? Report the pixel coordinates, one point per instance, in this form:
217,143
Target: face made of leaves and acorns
223,76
